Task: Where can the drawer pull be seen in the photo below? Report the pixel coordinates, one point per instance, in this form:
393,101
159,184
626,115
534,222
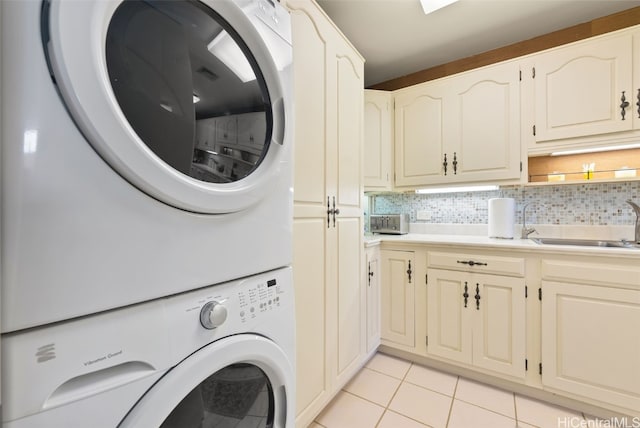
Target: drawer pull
477,296
471,263
409,272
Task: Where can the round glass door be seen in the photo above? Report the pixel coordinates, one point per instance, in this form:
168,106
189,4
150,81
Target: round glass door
237,395
190,88
241,380
181,98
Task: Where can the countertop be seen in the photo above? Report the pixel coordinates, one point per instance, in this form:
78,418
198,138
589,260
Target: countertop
478,241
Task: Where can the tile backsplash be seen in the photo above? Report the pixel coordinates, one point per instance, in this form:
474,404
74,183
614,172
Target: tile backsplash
585,204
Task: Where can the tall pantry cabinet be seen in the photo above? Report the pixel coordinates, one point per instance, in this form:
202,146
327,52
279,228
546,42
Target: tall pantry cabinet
328,213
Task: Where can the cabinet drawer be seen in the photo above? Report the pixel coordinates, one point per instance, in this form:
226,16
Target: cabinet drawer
591,273
509,266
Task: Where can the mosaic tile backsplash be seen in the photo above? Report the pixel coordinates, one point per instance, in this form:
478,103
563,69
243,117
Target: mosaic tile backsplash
585,204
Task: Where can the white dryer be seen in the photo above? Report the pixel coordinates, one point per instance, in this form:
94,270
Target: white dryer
222,356
146,150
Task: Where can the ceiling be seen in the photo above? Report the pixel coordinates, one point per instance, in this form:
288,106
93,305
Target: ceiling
396,38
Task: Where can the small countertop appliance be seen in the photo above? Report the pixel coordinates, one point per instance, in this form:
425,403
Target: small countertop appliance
395,224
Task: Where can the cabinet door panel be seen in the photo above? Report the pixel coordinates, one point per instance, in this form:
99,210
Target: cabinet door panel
372,280
349,132
349,309
486,124
397,301
309,278
500,335
578,89
586,329
419,135
309,79
377,140
448,329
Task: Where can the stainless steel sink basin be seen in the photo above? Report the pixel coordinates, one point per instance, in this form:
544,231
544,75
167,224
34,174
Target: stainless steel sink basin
586,242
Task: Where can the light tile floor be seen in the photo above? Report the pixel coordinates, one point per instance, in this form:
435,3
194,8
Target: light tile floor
393,393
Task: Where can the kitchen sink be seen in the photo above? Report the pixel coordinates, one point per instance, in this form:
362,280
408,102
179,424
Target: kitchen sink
586,242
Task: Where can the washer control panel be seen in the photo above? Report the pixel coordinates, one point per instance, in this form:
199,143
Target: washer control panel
234,306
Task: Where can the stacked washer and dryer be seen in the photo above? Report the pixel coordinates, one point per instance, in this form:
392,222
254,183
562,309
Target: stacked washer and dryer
146,243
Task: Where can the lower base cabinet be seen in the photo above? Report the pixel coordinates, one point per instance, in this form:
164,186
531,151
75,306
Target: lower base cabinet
477,319
372,286
398,297
591,342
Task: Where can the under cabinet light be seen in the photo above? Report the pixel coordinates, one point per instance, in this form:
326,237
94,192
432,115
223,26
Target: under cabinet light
433,190
595,150
429,6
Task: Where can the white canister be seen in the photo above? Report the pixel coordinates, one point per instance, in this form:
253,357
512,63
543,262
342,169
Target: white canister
502,214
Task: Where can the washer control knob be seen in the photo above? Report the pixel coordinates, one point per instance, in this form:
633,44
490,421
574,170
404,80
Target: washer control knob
213,314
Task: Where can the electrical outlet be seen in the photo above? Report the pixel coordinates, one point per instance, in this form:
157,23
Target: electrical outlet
423,215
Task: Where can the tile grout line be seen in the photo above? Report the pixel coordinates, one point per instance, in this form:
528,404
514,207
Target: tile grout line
453,399
386,408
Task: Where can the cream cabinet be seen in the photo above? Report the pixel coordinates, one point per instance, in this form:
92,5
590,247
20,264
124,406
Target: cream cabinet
372,285
477,318
419,134
465,128
227,130
378,140
252,128
328,253
398,278
584,89
591,341
206,133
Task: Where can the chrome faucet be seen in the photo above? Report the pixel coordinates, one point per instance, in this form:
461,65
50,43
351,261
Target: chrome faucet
636,208
525,230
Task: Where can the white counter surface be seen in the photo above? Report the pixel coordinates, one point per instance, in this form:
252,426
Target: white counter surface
497,244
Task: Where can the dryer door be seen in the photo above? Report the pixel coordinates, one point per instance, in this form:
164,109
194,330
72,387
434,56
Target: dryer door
243,380
186,100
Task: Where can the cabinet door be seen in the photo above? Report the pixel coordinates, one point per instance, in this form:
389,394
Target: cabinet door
448,310
372,280
499,333
591,342
477,319
378,143
579,89
345,79
483,127
227,130
252,129
398,297
419,134
310,246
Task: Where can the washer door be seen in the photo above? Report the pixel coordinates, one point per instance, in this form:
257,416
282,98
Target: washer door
159,89
243,380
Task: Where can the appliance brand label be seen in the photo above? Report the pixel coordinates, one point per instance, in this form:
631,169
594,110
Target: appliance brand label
103,358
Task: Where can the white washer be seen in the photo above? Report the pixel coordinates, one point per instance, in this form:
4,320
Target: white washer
156,365
146,151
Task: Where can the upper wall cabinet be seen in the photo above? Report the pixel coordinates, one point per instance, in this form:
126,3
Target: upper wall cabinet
378,142
462,129
585,90
419,133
